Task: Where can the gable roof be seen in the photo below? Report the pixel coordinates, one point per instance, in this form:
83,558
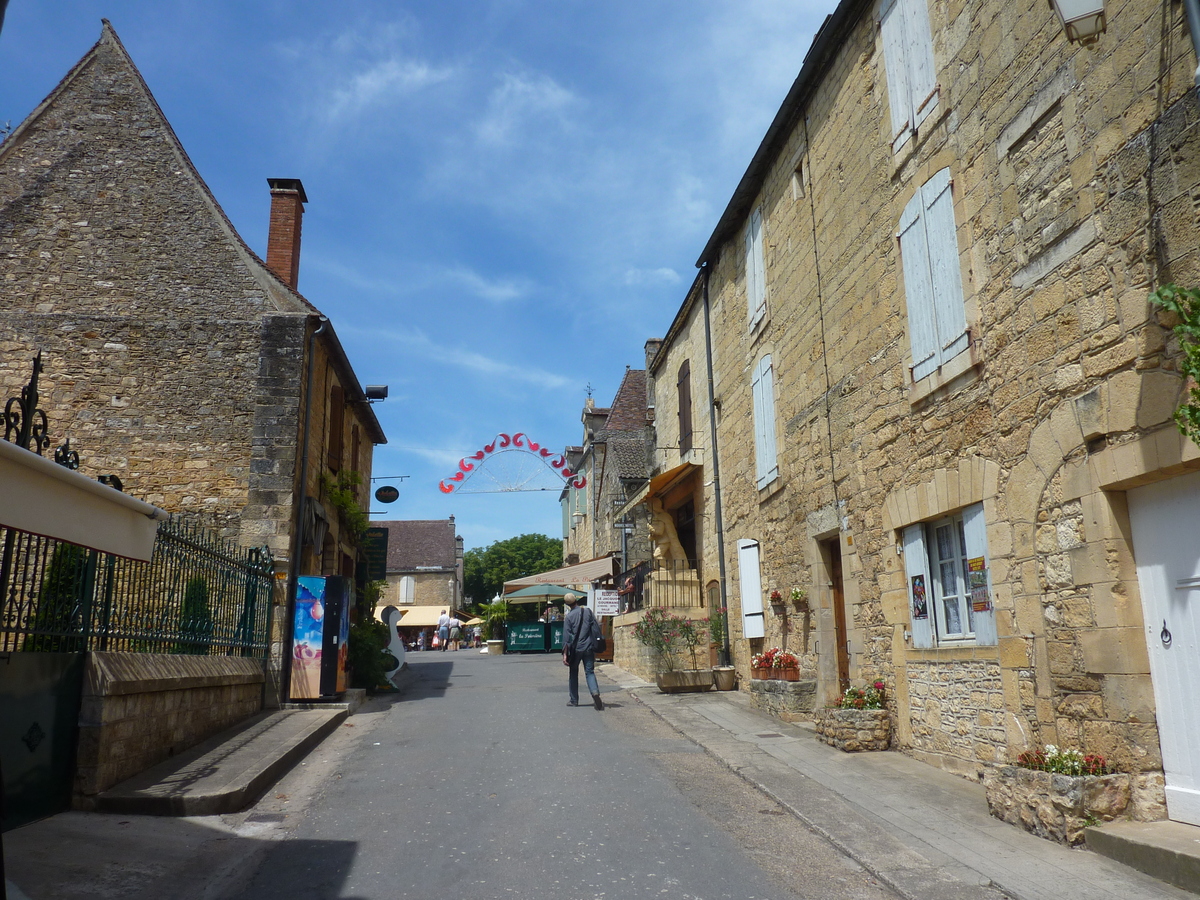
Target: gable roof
628,410
420,544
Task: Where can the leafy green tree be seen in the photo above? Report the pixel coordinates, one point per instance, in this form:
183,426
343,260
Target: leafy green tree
485,570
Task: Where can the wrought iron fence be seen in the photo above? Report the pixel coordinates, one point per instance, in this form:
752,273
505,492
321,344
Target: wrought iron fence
674,584
198,595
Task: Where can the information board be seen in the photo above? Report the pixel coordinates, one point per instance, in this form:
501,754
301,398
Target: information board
605,603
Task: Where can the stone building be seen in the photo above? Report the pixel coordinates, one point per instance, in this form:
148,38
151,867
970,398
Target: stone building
613,460
175,357
943,403
424,563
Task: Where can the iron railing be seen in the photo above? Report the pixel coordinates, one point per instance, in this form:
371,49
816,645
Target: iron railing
674,584
198,595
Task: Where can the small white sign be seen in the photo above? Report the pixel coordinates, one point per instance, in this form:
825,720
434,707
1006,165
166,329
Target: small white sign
605,603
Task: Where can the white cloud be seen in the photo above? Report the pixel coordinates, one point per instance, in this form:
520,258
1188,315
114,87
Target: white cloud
651,276
417,343
523,102
496,290
380,83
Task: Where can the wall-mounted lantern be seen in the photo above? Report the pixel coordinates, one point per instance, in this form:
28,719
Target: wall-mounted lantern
1083,20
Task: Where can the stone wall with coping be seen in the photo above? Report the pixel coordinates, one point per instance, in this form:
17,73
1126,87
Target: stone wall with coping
791,701
141,708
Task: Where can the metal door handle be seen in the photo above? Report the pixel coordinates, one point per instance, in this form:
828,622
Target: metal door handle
1165,635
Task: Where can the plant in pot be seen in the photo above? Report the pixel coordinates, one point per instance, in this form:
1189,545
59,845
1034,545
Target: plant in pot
761,664
786,666
665,633
724,677
494,615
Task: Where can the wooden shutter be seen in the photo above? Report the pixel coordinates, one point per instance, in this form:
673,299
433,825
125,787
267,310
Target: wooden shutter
922,76
753,625
975,534
918,289
337,412
756,295
892,26
916,569
684,385
763,390
945,271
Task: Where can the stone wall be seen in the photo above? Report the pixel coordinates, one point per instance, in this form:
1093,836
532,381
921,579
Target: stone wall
1071,171
853,730
791,701
140,708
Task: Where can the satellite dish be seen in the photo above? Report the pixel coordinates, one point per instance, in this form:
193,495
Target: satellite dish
387,494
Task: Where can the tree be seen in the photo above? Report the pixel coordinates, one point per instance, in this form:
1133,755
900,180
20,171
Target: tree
486,570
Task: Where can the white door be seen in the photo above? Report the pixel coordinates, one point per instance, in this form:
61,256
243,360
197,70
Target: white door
1166,545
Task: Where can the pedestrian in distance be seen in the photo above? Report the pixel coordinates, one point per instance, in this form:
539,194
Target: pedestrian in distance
455,632
443,630
581,634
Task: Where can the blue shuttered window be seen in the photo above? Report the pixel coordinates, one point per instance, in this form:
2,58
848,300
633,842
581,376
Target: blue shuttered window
937,319
750,581
908,59
763,390
756,269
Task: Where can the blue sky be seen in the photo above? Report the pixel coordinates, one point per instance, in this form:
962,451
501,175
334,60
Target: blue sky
506,198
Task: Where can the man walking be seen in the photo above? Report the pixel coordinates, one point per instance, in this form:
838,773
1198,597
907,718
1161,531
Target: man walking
581,632
443,630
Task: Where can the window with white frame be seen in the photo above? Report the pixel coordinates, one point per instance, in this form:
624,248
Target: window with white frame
756,269
763,390
949,581
908,58
408,586
937,318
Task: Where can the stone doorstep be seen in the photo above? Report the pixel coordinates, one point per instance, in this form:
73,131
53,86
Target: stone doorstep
1168,851
228,771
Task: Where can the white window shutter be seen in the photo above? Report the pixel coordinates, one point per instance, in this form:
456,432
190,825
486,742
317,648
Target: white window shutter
762,386
756,286
945,270
892,25
918,290
751,586
922,75
920,590
980,596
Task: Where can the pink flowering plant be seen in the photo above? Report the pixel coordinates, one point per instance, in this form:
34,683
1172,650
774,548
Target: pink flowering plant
1064,762
667,634
870,697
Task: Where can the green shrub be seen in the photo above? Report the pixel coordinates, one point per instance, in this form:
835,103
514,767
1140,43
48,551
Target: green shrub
367,655
195,619
58,617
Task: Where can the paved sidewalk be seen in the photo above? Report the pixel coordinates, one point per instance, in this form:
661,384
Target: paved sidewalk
924,832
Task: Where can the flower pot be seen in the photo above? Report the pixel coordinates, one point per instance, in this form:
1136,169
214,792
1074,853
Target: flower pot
791,673
758,674
684,681
495,648
725,678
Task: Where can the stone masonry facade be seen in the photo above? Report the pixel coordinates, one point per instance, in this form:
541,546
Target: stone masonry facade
1070,175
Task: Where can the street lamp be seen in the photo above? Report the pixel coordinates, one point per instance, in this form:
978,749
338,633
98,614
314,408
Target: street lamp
1083,20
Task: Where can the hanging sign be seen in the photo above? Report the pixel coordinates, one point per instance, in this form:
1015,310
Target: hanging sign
387,494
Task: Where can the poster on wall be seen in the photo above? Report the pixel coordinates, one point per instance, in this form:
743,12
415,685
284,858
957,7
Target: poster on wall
981,600
606,603
920,607
308,627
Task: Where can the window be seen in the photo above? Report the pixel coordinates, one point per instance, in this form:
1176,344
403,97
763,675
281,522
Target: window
684,386
937,319
337,409
908,58
763,389
949,581
407,588
756,270
750,580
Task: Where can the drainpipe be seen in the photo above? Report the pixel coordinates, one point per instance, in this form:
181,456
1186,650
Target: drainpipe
726,651
1192,8
297,541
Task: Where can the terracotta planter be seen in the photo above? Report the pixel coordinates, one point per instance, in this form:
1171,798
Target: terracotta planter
759,674
792,673
685,681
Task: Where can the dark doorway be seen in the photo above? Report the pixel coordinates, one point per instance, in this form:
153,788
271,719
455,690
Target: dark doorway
832,551
685,528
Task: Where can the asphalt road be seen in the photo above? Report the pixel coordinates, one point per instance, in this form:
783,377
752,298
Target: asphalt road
479,782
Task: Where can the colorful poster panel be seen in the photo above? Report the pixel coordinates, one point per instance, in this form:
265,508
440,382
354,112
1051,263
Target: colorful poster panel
306,638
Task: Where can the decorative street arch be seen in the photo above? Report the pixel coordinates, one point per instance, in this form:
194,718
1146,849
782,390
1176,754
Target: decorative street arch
508,472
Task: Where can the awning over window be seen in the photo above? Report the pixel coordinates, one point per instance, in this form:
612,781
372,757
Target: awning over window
656,485
415,616
580,574
41,497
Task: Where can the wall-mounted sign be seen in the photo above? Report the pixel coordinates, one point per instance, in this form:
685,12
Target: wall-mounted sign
387,494
374,547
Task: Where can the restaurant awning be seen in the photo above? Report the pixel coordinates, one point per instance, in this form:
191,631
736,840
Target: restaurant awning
44,498
581,574
656,485
414,616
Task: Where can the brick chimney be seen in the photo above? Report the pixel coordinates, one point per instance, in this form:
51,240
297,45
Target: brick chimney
283,239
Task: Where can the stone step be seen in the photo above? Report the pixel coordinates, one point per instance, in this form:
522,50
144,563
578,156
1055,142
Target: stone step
227,772
1168,851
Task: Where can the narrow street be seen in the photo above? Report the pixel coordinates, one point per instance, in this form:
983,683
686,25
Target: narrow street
481,782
